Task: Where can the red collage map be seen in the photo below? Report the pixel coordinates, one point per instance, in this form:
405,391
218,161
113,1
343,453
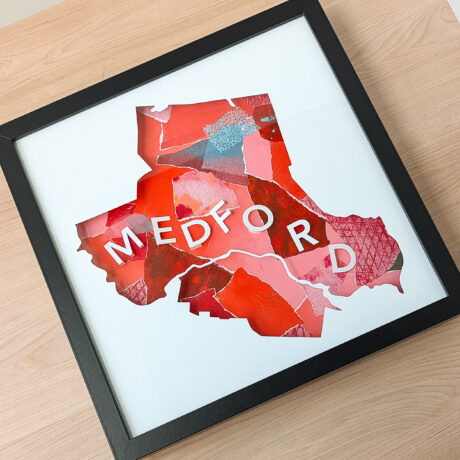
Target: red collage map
220,211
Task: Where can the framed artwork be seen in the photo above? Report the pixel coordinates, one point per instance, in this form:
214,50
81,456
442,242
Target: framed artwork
222,224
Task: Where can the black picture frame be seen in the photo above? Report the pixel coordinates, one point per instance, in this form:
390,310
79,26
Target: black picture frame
123,446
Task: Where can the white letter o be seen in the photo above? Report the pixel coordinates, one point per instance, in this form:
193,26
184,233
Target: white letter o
257,207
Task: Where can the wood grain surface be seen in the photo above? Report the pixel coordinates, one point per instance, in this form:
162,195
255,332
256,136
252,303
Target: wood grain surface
403,402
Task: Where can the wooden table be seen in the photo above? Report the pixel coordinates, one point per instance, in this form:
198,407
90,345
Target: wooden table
403,402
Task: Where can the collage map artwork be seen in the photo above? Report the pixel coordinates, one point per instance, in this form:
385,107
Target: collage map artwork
220,211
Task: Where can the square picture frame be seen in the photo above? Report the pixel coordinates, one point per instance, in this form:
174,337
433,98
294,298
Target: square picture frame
122,443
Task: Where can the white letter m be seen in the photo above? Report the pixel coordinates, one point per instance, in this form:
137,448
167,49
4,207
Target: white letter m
126,233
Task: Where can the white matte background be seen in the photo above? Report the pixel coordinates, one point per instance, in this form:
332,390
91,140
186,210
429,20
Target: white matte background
163,361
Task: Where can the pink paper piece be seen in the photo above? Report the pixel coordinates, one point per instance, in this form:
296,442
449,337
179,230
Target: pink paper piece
257,156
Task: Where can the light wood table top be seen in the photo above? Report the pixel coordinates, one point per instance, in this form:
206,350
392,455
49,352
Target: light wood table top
403,402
